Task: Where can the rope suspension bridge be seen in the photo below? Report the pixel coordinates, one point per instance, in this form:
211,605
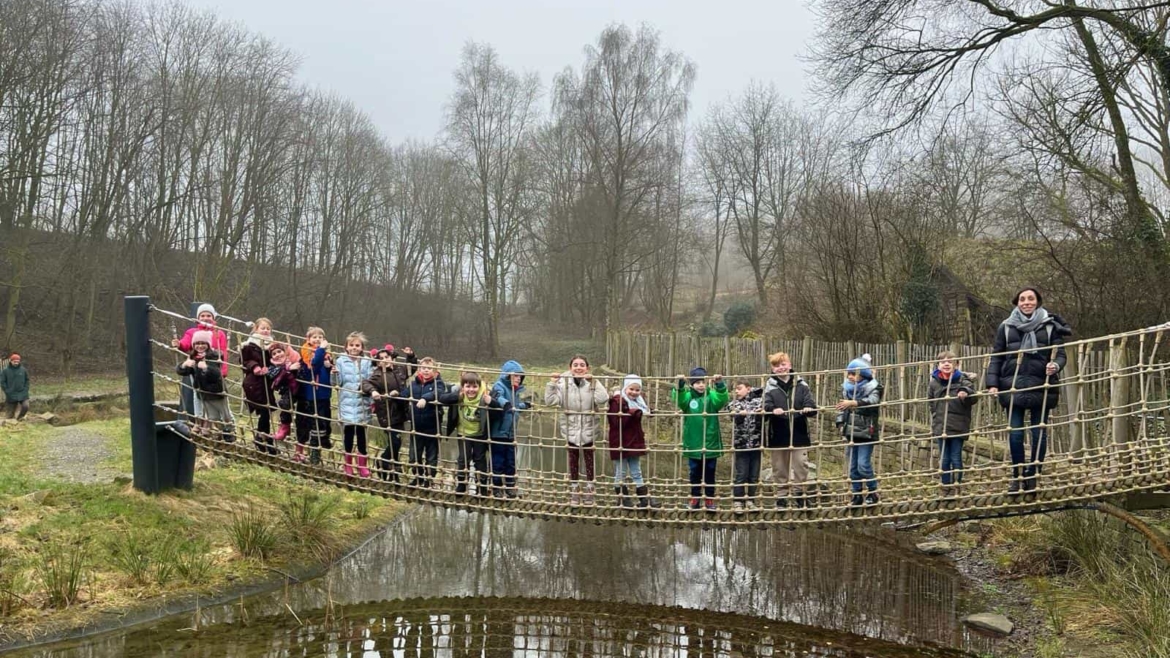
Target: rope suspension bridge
1107,440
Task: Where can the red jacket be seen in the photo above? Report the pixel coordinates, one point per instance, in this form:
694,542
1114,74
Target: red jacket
626,438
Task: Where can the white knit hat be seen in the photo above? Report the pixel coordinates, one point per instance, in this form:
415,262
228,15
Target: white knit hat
206,308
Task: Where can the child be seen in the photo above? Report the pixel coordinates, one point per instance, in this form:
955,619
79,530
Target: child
790,402
952,394
314,397
701,442
282,381
858,419
205,316
627,442
203,367
747,433
469,418
578,395
388,378
507,402
257,385
353,405
14,382
423,393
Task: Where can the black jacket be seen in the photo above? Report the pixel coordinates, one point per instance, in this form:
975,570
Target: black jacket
950,417
1015,371
788,430
391,411
208,382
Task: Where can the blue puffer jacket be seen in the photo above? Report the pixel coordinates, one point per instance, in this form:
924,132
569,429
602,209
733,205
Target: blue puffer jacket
506,403
425,421
353,408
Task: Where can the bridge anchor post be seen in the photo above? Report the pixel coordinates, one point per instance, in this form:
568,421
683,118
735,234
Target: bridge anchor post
162,457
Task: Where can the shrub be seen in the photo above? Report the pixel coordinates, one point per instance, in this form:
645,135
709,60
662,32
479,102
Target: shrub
739,317
711,329
60,566
194,562
309,520
13,583
130,554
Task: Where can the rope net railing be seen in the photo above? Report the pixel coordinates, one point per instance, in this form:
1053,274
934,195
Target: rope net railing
561,446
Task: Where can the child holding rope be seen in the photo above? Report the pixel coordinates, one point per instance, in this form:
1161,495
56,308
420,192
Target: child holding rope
353,405
857,418
952,395
205,317
579,396
423,393
701,442
314,397
627,442
388,378
257,385
469,422
282,381
747,434
203,367
507,401
789,403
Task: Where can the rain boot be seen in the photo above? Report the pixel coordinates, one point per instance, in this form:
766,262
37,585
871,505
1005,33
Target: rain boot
299,455
644,499
282,432
363,469
348,465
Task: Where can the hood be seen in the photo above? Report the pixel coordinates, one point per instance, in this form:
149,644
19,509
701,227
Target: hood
511,368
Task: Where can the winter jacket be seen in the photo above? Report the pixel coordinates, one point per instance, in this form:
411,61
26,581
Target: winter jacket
747,425
506,403
860,424
283,383
315,375
577,398
353,406
428,420
392,411
219,342
14,382
257,388
626,437
208,382
950,416
452,400
789,430
1010,369
700,437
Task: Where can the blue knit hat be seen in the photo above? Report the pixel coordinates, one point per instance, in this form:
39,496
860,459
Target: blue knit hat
697,373
863,365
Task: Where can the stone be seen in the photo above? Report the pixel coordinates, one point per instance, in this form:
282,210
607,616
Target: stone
36,497
937,547
990,623
46,417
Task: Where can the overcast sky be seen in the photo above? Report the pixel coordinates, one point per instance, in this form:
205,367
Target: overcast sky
395,59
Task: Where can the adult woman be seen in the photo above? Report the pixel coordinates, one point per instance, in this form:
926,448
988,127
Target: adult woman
579,396
1028,355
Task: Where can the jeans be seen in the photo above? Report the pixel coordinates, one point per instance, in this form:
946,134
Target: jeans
503,451
861,467
631,466
1038,415
951,460
747,472
703,472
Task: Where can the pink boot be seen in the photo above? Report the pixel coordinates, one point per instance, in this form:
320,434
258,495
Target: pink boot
348,465
282,432
299,456
363,470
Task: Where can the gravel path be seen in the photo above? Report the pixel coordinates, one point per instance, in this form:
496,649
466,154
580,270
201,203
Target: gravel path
79,455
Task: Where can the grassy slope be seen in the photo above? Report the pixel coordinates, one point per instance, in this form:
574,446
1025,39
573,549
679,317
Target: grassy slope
96,518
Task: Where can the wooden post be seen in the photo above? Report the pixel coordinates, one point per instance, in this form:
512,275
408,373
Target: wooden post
629,353
726,355
1072,400
1118,391
806,348
670,357
900,357
649,339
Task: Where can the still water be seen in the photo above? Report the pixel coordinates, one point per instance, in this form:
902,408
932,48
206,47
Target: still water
443,584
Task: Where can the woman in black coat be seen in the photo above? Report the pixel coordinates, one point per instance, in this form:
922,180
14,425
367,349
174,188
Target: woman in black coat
1026,361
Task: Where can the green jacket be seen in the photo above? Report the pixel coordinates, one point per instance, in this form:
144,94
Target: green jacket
700,436
14,382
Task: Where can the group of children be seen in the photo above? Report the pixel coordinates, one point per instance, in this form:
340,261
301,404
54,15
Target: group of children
394,388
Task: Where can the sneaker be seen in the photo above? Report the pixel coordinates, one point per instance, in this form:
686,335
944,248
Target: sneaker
751,506
737,507
781,503
872,498
694,504
512,493
460,488
798,501
857,501
711,505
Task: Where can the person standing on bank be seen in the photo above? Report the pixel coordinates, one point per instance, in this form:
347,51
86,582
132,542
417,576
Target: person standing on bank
1027,357
14,382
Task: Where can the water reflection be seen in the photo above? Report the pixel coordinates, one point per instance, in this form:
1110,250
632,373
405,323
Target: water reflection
574,582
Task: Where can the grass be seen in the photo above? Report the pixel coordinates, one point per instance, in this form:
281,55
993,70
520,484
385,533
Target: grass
1101,590
54,386
180,542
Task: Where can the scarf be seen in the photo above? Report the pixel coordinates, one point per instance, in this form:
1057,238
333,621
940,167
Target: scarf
956,375
261,341
1027,326
638,402
855,390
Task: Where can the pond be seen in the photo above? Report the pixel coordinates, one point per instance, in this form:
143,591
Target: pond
452,585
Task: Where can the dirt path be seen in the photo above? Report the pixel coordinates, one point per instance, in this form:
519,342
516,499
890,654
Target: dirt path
79,455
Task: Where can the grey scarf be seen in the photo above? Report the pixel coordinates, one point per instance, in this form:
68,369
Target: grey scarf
1027,326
